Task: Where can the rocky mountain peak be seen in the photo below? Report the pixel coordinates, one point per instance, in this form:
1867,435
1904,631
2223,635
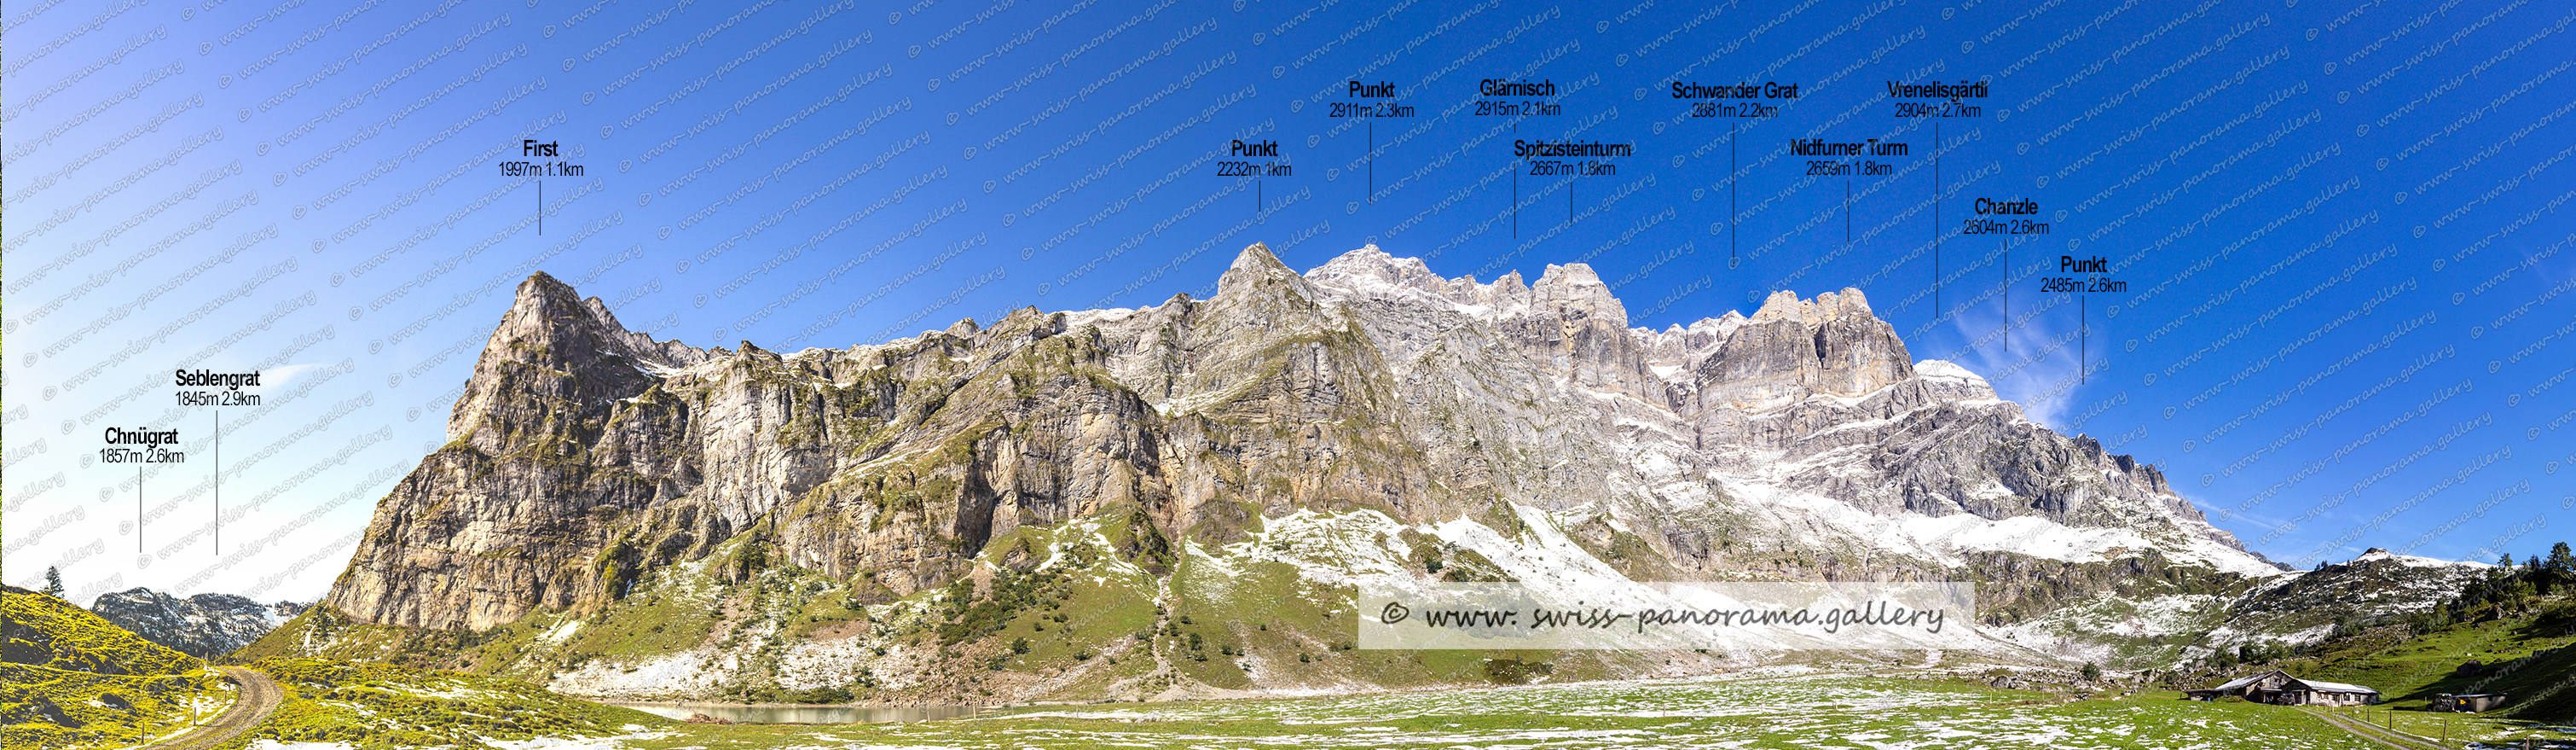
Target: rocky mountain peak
1368,273
1785,305
1506,295
1371,263
1574,292
554,343
1847,303
1256,272
546,311
1793,348
1255,257
1781,305
457,550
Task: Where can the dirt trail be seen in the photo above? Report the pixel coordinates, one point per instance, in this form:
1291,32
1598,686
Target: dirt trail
2375,733
258,697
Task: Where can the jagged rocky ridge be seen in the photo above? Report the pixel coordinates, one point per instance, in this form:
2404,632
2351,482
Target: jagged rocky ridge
203,626
1802,442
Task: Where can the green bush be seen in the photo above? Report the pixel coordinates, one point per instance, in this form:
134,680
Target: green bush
820,695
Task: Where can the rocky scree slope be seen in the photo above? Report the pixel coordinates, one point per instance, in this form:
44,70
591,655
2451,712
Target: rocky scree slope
1799,443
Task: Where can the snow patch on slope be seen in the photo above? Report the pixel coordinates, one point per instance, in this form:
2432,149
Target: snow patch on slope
1936,368
2412,561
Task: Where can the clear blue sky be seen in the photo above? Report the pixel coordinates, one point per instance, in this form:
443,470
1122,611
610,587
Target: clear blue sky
2335,225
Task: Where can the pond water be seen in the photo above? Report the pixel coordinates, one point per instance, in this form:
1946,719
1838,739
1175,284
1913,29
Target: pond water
778,714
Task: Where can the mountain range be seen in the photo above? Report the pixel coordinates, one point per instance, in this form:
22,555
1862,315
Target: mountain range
983,510
204,626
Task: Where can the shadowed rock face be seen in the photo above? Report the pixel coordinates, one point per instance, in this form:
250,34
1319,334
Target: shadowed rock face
583,455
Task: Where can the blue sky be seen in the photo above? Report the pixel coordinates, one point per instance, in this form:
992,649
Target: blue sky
2337,267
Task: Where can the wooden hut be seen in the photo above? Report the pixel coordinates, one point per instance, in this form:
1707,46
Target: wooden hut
2322,693
2278,687
2247,687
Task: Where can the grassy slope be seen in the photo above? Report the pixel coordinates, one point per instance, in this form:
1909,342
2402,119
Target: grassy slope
49,632
378,704
89,683
1098,608
74,679
2529,657
2412,671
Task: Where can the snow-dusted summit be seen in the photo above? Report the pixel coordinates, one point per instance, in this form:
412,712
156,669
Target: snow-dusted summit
1805,428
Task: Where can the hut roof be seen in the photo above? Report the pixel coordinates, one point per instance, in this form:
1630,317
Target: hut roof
2335,687
2241,682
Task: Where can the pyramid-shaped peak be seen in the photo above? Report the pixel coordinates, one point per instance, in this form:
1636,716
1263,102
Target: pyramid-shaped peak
547,308
1255,257
540,288
554,324
1255,266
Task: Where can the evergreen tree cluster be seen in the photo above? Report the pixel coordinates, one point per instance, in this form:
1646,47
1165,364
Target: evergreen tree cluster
2509,590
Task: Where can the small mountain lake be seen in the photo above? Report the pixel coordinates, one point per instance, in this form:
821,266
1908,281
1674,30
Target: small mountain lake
788,714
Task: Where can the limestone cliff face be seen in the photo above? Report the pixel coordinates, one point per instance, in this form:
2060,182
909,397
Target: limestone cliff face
1800,442
1794,348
